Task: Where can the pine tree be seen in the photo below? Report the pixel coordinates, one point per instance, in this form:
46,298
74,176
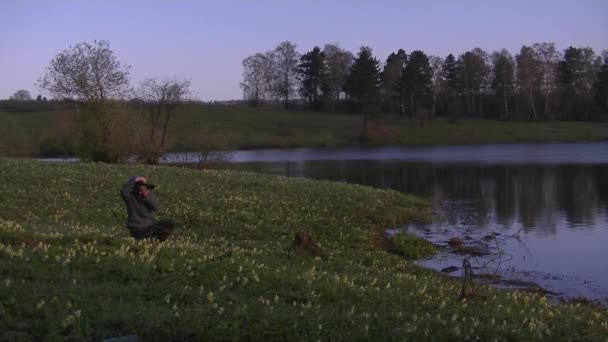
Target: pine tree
452,84
311,72
390,77
415,82
363,84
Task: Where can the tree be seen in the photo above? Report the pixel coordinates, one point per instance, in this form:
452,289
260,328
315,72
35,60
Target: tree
451,74
415,81
338,62
578,72
363,84
528,76
311,73
390,75
474,74
257,77
161,99
437,79
548,58
90,73
21,95
503,81
39,98
286,70
593,65
87,72
601,94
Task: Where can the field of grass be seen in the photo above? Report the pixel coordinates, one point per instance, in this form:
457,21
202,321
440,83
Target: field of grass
196,127
69,271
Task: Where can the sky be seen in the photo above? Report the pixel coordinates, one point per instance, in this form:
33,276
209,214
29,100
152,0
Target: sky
206,41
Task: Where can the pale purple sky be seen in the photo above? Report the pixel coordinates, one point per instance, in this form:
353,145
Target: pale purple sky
205,41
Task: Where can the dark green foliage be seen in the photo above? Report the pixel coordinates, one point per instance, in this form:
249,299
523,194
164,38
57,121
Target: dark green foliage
452,87
390,78
415,81
311,73
570,69
451,73
363,83
601,95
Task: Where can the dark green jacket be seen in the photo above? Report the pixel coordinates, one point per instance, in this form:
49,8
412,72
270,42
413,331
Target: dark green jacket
140,211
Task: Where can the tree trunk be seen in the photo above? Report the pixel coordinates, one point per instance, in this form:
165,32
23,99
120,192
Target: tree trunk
506,101
433,108
165,126
468,94
533,107
286,91
363,135
412,108
546,105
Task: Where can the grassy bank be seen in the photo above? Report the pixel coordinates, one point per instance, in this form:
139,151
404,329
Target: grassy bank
69,270
197,127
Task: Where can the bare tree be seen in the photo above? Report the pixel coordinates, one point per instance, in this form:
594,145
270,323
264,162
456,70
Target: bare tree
591,67
338,63
257,77
475,73
286,60
21,95
528,75
161,99
548,58
504,69
437,79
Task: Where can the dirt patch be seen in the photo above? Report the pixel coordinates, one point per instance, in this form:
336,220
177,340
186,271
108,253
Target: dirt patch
304,244
384,242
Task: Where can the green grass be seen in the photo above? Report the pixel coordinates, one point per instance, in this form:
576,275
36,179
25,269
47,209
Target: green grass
196,127
413,247
230,270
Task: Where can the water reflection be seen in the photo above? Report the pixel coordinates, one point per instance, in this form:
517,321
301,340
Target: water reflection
535,196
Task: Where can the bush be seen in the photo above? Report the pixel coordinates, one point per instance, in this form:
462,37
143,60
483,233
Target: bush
110,133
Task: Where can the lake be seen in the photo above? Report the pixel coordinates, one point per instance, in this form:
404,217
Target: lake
540,211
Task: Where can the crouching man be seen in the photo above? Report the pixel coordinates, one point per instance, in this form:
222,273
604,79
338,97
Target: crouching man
141,203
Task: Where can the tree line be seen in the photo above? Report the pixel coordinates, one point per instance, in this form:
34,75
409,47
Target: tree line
538,83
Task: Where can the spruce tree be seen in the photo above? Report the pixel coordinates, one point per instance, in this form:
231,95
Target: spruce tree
311,72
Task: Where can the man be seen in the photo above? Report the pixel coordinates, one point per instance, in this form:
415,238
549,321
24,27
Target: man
141,203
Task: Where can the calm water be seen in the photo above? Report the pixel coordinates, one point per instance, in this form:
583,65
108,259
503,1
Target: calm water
548,203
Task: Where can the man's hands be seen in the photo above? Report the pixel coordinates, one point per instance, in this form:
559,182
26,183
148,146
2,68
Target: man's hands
142,190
